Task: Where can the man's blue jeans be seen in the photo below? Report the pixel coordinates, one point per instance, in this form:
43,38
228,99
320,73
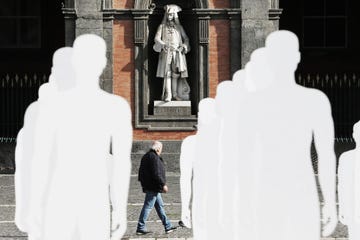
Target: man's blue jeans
153,199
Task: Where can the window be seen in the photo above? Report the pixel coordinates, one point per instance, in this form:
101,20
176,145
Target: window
325,24
20,24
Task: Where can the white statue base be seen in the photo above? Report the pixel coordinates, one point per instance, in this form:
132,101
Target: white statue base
173,108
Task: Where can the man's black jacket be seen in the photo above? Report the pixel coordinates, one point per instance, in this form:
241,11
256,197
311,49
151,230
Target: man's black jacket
152,172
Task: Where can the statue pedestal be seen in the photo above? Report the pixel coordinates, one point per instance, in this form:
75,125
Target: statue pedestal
173,108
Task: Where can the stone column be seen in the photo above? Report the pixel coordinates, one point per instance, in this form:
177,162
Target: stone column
255,26
69,19
90,20
89,17
108,22
235,36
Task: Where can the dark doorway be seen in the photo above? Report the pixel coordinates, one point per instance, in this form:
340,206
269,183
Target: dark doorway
329,45
30,32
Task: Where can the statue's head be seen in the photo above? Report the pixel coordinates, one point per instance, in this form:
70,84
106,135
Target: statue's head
171,12
170,16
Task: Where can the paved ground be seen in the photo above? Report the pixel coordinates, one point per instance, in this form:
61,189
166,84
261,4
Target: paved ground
8,230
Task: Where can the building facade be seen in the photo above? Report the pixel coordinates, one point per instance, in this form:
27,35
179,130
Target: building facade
222,36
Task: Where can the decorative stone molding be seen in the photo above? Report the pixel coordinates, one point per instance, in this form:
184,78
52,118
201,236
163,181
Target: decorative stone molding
204,30
70,16
274,14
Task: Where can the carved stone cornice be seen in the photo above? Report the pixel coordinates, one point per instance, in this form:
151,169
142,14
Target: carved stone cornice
69,13
274,14
136,14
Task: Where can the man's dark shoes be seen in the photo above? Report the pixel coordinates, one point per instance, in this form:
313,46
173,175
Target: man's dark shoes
169,230
142,232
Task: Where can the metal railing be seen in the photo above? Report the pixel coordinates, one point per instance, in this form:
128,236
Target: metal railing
343,91
16,93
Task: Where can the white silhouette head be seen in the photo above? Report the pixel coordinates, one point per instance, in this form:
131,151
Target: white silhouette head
283,51
89,59
223,99
258,74
62,71
46,91
239,79
207,112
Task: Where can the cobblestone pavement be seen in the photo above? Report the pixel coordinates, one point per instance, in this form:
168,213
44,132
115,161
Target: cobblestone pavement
172,202
8,230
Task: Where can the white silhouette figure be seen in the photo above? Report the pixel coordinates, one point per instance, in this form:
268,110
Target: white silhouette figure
25,138
206,191
227,107
287,118
80,125
23,158
348,186
258,73
187,158
245,140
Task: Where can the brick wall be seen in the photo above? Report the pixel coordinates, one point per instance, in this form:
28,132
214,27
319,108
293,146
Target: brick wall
123,4
123,59
219,53
219,4
140,134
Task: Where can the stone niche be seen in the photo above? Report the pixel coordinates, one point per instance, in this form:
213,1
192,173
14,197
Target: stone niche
151,113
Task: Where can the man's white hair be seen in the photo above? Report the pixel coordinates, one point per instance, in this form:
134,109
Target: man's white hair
156,145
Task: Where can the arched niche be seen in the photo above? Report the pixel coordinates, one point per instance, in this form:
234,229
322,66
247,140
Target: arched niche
147,17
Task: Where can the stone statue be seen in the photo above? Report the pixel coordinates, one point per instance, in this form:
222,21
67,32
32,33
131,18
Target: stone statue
172,43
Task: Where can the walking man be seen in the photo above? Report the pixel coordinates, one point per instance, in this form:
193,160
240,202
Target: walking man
153,182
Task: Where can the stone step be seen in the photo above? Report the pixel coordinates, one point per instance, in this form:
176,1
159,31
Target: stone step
171,160
136,195
171,154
